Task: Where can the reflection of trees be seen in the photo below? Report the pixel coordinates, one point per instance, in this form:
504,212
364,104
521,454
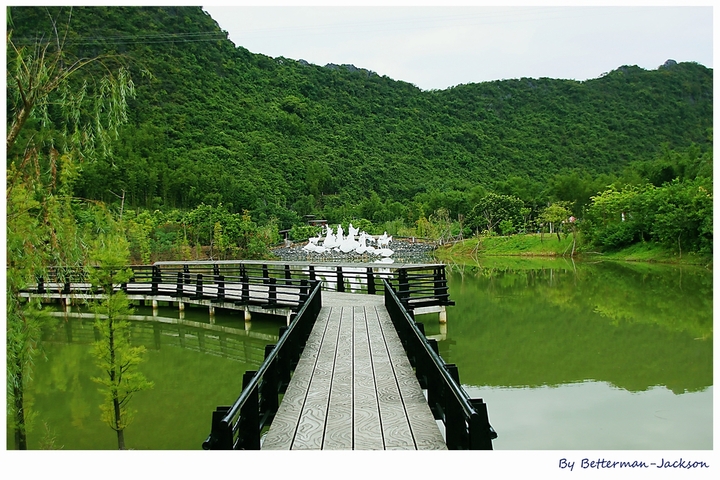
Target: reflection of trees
197,367
157,332
543,326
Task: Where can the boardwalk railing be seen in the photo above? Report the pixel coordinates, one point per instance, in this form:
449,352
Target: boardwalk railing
418,285
422,286
202,282
262,283
239,427
467,426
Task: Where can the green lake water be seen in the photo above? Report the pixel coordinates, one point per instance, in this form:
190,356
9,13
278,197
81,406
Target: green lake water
585,356
566,356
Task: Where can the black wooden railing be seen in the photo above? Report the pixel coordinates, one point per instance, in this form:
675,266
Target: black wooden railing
199,283
422,286
467,426
415,280
264,283
239,427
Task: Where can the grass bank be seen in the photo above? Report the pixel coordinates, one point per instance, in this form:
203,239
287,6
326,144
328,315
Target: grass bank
533,245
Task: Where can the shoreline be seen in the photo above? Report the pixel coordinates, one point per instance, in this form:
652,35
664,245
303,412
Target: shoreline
533,246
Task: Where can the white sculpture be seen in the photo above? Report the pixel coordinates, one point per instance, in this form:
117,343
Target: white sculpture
349,243
346,244
384,240
330,239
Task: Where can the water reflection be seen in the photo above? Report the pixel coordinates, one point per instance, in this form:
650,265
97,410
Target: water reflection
195,365
579,349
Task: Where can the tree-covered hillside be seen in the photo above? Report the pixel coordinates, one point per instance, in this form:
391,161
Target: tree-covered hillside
213,123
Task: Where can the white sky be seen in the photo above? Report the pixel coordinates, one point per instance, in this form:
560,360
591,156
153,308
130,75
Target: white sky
437,47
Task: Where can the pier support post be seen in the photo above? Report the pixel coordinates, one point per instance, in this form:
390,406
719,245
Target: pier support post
181,306
442,317
155,308
248,317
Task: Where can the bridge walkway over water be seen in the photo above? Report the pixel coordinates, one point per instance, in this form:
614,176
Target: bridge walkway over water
353,387
349,371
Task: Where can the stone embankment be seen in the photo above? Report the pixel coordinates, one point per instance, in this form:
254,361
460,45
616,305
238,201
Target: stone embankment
404,251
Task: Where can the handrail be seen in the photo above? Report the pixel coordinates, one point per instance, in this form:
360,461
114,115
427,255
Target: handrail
417,285
467,426
258,402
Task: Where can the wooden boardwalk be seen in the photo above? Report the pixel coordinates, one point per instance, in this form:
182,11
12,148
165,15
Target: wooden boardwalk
353,388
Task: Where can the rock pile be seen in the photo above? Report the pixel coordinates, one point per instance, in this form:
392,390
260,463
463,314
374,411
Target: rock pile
404,251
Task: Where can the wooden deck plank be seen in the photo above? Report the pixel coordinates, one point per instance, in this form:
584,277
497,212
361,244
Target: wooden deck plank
395,425
338,429
426,434
311,428
366,417
354,387
284,425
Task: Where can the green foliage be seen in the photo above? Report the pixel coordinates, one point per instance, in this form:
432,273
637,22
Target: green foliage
215,123
117,359
59,111
675,214
492,209
300,233
216,134
556,214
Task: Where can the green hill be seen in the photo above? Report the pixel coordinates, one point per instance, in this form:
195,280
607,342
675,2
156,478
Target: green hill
212,122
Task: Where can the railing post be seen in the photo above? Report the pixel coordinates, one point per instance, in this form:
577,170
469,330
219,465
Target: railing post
245,287
221,287
434,387
414,351
179,290
249,424
186,274
272,291
266,275
41,285
312,273
456,431
370,281
481,433
340,279
285,360
269,386
403,286
220,437
156,278
199,286
303,292
288,276
440,283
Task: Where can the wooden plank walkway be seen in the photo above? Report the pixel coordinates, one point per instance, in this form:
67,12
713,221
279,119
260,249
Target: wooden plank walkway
353,388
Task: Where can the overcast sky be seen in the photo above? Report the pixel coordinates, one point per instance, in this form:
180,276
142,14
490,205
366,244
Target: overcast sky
438,47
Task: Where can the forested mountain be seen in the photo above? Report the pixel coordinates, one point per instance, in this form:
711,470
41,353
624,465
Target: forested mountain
214,123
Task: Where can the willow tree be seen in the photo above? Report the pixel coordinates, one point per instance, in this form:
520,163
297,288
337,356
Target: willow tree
61,111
